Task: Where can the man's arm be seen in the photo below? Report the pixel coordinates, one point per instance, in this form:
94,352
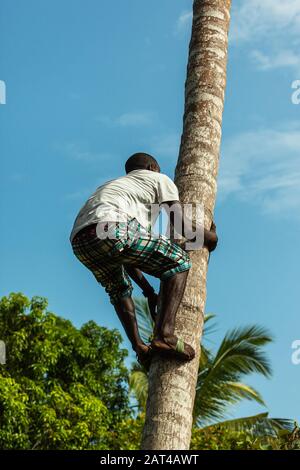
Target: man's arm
148,291
189,227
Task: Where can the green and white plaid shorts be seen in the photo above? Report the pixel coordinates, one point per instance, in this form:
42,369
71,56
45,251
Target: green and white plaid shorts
127,243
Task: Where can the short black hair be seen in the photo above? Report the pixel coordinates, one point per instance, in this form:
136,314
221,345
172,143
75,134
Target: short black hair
139,161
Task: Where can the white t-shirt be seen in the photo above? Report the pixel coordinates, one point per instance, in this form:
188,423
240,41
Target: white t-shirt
133,194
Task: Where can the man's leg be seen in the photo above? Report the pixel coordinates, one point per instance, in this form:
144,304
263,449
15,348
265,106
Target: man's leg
172,290
110,273
126,312
159,257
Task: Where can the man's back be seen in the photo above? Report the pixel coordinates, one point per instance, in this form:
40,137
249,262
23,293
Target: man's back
132,194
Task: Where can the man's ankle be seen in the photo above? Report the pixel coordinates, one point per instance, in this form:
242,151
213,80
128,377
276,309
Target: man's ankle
138,346
164,334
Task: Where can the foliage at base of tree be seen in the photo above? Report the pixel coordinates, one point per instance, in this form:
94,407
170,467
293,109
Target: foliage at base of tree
61,388
128,437
67,388
128,434
219,438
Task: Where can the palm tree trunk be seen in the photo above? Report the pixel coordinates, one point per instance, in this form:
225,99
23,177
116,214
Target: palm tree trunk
172,386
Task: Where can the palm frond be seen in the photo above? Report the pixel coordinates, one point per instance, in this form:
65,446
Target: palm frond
243,391
208,327
242,343
258,425
138,385
240,353
144,318
205,358
220,396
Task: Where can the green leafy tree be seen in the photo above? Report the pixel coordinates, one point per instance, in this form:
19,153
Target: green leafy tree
61,387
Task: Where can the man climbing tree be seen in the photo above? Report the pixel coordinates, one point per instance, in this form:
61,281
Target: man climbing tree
113,237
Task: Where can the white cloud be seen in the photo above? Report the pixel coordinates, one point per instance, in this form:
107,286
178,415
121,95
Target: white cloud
263,168
130,119
135,119
76,151
283,58
276,23
184,22
254,19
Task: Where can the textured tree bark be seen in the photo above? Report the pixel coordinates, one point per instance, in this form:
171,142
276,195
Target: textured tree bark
171,384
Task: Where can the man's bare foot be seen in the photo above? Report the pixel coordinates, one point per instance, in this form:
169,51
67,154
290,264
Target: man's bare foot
174,347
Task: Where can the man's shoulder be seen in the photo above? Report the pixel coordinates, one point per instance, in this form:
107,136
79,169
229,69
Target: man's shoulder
148,174
165,180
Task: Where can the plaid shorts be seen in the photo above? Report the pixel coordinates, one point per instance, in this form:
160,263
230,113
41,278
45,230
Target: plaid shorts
127,243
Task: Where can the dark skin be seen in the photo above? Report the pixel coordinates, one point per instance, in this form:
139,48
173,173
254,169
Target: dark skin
148,291
172,290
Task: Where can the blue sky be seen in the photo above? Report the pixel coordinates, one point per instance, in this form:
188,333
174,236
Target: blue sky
90,83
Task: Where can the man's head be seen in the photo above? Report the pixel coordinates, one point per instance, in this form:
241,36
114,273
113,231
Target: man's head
141,161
